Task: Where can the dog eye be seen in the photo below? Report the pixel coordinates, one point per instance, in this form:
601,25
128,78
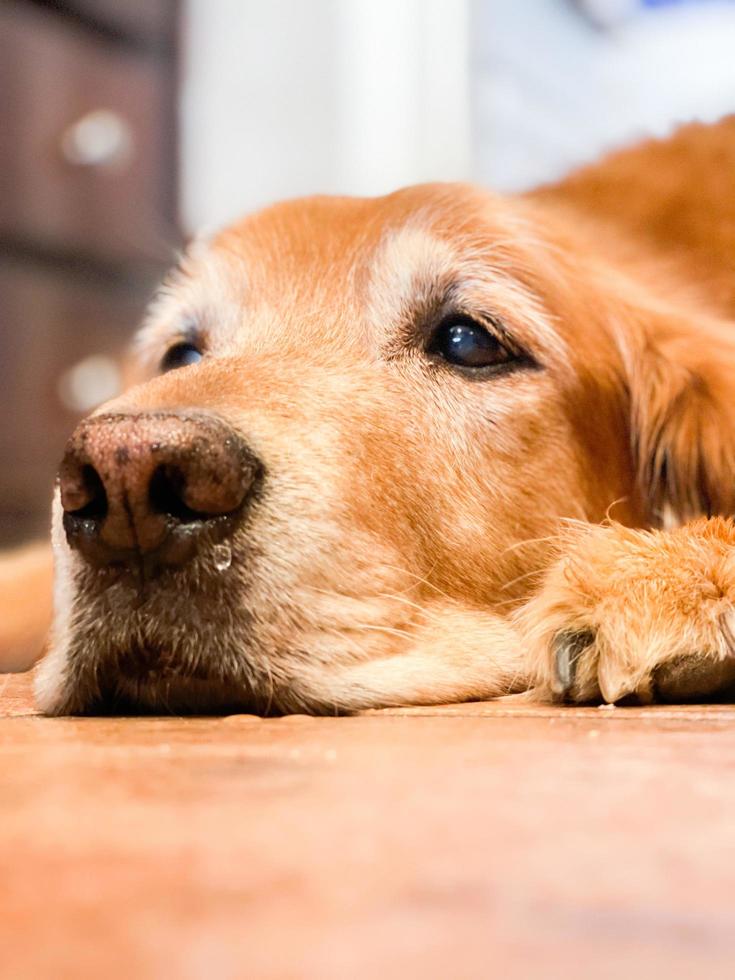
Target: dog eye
462,341
180,355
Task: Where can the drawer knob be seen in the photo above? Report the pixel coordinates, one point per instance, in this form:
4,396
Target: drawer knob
101,138
87,384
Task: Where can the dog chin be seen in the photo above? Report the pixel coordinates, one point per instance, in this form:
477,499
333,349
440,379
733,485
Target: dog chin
138,678
118,647
174,694
115,657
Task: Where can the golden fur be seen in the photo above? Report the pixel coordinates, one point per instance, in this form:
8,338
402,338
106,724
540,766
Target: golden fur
424,537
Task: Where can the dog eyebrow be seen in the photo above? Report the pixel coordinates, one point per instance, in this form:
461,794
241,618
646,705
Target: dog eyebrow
414,273
164,325
411,270
189,329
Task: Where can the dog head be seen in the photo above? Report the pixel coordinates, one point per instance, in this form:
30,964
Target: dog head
349,416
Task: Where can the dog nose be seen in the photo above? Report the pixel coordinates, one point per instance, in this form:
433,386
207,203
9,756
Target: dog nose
153,486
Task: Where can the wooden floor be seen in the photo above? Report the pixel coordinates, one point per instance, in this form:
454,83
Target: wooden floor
473,841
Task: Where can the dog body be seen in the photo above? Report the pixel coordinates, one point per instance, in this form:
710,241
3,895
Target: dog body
373,444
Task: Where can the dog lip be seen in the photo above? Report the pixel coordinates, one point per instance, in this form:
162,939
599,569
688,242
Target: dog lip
165,689
178,547
138,662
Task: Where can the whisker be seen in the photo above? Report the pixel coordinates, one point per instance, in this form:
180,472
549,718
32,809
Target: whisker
512,600
381,629
271,685
421,580
521,578
526,542
340,635
620,500
400,598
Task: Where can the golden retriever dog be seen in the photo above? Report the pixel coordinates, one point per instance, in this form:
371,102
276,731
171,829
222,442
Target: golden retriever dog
436,446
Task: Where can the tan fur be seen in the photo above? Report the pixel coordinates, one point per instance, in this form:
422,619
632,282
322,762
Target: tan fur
423,537
25,605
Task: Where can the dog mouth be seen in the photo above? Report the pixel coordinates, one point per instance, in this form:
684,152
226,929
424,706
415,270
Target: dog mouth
177,644
223,635
153,678
172,694
153,663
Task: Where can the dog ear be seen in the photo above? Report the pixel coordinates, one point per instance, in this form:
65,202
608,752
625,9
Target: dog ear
682,394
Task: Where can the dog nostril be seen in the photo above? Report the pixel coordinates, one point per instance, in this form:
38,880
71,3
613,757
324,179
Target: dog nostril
166,495
153,486
87,497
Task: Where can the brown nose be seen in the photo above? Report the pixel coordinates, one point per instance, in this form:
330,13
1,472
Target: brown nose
153,486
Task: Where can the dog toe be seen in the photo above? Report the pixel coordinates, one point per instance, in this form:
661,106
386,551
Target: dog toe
568,647
696,676
693,678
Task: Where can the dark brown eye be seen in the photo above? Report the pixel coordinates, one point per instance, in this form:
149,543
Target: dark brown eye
465,343
180,355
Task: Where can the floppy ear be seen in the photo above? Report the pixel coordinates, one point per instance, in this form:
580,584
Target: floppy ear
682,390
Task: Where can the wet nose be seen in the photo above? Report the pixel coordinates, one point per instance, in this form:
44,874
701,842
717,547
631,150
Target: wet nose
153,486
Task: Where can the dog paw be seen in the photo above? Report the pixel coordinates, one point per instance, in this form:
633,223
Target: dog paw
646,615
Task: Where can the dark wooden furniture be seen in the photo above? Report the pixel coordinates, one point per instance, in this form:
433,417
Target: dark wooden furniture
88,196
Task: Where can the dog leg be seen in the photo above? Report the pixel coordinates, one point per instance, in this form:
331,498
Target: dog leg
644,613
453,654
25,605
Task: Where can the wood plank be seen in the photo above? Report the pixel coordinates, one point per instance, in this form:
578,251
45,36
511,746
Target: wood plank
479,840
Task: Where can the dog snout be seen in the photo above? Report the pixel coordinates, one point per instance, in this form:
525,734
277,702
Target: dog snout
153,485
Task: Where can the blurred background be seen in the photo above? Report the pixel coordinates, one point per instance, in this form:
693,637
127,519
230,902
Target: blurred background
127,124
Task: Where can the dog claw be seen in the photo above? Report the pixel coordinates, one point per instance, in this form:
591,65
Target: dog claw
568,648
726,622
617,681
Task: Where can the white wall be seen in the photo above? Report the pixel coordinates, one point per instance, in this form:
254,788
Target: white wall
551,90
289,97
